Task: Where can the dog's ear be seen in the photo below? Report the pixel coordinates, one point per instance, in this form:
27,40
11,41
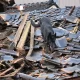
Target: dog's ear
35,23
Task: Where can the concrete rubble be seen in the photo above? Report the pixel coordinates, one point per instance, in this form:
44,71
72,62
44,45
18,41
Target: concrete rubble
22,52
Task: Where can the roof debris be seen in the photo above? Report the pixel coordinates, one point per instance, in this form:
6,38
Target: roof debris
50,51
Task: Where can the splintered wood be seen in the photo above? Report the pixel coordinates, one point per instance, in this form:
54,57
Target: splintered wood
19,31
23,38
12,70
31,41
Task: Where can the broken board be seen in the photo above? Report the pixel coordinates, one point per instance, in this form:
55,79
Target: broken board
24,35
20,29
31,41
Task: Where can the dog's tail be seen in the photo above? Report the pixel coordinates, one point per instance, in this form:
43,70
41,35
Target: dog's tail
35,24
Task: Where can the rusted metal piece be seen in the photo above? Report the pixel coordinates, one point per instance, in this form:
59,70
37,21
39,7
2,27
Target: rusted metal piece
31,41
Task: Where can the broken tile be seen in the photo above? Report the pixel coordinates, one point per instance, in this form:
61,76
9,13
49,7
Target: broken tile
11,37
72,61
61,42
36,56
47,75
60,31
73,35
6,17
38,32
7,58
72,19
70,70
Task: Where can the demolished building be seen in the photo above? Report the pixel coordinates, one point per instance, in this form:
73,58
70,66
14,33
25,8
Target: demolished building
21,44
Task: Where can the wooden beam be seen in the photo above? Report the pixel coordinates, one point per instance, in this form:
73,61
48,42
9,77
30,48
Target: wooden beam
31,41
20,29
24,35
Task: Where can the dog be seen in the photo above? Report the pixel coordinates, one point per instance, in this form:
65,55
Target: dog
47,32
51,3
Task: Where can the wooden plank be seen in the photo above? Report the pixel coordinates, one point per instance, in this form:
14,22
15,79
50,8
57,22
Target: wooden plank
31,41
19,31
23,38
9,69
15,72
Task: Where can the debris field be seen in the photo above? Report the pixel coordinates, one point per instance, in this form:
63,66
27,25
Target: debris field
23,55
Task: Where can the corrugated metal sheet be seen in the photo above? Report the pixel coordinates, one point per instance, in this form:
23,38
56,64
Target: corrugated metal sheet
63,3
28,1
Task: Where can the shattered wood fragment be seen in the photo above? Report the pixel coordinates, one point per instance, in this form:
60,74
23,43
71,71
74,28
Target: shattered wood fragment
10,66
18,70
31,41
71,11
13,70
20,30
24,36
6,71
18,61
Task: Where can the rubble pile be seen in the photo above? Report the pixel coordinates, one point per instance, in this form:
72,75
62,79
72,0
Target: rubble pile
32,6
21,45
